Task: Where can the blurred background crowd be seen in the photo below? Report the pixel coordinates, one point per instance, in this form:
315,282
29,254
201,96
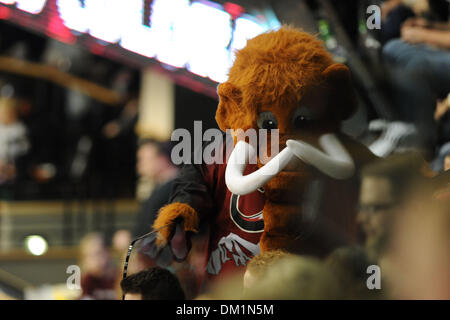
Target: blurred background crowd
85,125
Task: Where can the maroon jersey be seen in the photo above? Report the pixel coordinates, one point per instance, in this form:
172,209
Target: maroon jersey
236,228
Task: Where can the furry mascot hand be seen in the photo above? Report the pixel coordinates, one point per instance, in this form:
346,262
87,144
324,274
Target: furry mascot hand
181,219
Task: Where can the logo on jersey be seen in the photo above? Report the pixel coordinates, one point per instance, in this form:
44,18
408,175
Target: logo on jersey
252,224
231,247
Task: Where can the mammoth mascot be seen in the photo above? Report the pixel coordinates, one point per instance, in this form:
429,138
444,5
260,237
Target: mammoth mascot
306,203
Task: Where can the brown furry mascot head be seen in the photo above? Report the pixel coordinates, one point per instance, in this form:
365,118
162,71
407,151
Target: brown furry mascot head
280,71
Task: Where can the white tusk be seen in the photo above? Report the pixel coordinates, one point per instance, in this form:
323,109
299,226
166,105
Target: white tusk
239,184
334,162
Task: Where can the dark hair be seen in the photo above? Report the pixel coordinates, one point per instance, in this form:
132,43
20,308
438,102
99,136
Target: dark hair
163,147
153,284
349,266
352,261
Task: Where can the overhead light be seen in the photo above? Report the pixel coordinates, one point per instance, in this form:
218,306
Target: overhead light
36,245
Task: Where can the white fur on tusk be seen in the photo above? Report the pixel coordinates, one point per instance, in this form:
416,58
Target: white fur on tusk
335,161
239,184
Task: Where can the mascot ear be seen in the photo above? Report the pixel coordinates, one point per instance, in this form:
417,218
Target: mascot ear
229,113
343,98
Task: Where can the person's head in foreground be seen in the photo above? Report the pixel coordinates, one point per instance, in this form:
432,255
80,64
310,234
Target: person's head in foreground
349,266
258,266
152,284
296,277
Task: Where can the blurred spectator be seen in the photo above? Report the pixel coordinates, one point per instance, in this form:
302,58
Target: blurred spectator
384,187
152,284
257,267
153,163
421,31
121,241
419,67
98,275
389,5
13,139
435,10
393,14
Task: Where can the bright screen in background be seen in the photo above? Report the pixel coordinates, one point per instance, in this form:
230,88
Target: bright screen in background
197,36
211,32
30,6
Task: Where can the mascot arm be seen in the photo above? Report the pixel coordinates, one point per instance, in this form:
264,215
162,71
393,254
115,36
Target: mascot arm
190,201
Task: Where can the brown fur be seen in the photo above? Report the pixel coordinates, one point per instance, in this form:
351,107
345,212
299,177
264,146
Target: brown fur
279,71
171,212
283,65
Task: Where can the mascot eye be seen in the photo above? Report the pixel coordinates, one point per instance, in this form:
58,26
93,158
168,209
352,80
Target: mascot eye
301,121
267,120
302,118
